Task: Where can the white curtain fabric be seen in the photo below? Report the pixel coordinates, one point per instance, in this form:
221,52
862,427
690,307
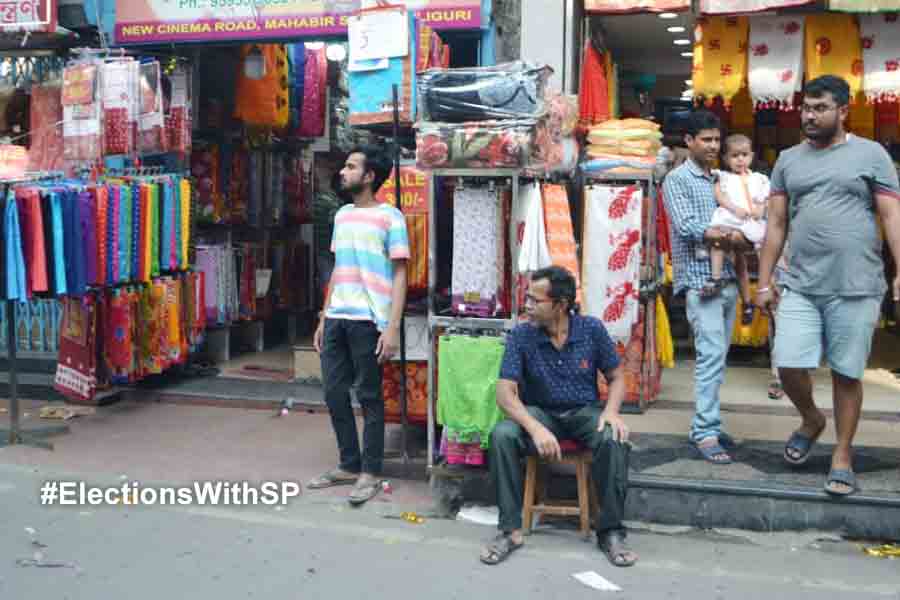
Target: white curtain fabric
880,36
775,59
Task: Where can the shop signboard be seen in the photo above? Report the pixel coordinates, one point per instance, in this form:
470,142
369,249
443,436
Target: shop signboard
610,7
27,15
174,21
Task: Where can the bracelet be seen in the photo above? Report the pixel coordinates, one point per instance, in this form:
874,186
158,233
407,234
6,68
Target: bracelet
763,290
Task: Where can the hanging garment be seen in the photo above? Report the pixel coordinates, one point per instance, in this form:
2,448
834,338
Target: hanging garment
474,283
887,122
665,345
612,256
560,233
263,101
595,92
533,251
76,367
33,243
468,368
861,117
726,7
16,284
775,60
833,47
881,56
315,89
186,237
416,391
46,150
612,77
59,257
720,57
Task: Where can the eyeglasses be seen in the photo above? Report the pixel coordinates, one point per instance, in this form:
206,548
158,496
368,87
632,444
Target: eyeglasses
817,109
529,299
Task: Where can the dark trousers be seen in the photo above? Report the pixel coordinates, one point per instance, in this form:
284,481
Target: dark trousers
609,470
349,362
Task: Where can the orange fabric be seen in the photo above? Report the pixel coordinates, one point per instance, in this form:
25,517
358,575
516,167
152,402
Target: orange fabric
861,119
416,391
560,233
594,98
264,101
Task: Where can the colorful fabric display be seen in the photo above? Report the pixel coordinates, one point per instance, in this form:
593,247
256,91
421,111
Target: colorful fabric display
475,283
720,57
416,391
315,90
833,47
612,256
486,144
467,381
881,56
595,95
37,325
775,60
76,367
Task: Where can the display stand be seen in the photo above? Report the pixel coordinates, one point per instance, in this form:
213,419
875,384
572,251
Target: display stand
435,320
649,279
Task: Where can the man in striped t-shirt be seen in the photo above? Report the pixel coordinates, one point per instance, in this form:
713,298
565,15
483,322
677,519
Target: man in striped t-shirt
360,326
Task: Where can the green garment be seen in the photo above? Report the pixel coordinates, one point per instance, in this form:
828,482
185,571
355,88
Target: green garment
468,368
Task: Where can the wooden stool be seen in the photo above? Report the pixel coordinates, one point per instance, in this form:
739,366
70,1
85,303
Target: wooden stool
536,503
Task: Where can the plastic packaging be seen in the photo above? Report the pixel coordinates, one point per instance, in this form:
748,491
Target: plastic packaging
151,135
487,144
507,91
120,107
81,113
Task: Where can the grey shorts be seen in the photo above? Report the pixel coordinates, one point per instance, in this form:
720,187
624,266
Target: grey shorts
841,327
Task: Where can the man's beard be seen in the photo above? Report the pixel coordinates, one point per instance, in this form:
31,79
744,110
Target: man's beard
822,134
353,189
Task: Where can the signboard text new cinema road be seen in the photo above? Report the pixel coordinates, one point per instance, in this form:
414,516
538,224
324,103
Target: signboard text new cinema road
172,21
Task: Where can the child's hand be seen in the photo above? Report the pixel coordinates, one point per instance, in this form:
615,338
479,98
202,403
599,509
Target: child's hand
758,212
741,213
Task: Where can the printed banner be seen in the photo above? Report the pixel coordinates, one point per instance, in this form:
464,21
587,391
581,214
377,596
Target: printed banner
413,191
611,7
172,21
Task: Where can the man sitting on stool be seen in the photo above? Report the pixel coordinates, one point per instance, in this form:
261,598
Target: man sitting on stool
548,390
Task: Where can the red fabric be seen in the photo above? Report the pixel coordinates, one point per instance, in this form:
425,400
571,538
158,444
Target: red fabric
117,137
32,229
663,227
76,368
102,208
594,96
571,446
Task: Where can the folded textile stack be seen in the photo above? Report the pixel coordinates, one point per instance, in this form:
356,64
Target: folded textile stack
555,148
481,117
623,144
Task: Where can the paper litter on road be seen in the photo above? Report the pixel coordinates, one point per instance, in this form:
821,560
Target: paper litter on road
482,515
596,581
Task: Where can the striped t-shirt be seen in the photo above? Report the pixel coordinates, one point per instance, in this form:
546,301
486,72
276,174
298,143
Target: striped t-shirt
365,242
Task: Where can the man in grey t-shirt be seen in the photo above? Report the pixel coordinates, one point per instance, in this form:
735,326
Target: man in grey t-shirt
829,191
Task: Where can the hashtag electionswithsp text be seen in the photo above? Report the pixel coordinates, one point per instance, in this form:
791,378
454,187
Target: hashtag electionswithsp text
203,493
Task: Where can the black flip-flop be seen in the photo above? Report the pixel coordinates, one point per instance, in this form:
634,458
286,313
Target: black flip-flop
613,545
844,476
499,549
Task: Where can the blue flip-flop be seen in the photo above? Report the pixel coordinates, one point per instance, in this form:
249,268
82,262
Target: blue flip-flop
844,476
802,443
709,453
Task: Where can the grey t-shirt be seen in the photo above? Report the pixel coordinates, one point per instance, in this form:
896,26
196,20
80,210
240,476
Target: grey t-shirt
835,246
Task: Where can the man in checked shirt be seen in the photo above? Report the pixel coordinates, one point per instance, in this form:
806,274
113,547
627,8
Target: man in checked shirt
690,202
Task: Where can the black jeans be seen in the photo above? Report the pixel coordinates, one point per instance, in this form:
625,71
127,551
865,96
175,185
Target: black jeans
609,470
349,362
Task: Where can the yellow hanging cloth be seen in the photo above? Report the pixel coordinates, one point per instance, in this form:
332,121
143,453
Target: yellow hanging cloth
861,120
833,47
720,57
612,83
185,223
665,346
754,335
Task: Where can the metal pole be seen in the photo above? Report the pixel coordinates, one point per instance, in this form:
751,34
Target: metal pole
404,421
13,377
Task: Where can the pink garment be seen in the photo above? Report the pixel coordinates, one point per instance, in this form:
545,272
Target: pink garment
315,83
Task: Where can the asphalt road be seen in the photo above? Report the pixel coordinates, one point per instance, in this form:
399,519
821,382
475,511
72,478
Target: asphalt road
318,547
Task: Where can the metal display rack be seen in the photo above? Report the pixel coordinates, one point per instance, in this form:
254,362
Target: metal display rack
436,321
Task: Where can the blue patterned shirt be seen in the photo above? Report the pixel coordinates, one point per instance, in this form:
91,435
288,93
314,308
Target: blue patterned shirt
690,200
559,380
